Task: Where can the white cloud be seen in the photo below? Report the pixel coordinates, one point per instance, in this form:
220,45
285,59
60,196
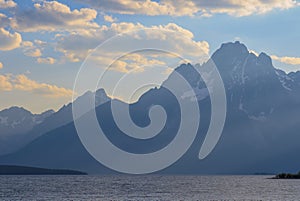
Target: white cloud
109,18
33,52
5,84
192,7
47,60
1,65
244,8
31,49
287,60
134,62
77,45
54,16
35,49
27,44
131,6
7,4
23,83
40,43
9,41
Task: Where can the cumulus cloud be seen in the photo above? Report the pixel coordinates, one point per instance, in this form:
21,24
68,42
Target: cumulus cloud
31,49
193,7
27,44
109,18
35,49
23,83
133,63
5,84
54,16
244,8
35,52
7,4
40,43
287,60
47,60
147,7
78,45
9,41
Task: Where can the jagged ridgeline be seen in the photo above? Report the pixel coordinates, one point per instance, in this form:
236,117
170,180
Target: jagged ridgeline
261,132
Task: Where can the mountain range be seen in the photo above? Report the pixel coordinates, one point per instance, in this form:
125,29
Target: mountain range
15,122
19,126
261,132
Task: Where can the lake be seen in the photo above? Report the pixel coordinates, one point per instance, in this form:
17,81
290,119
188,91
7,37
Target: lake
147,188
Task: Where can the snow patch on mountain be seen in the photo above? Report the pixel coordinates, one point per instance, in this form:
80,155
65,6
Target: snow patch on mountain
284,79
261,117
196,94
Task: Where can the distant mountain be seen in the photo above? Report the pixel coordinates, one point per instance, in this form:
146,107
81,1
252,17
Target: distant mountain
21,170
64,115
19,127
14,123
261,132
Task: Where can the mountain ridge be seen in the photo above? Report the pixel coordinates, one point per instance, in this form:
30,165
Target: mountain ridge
12,140
14,123
260,133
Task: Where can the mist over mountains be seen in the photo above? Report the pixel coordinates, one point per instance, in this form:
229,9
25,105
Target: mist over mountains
261,131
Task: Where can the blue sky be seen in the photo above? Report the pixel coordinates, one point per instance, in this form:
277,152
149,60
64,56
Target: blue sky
43,43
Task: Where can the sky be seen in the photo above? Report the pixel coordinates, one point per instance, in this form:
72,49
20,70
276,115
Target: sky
44,44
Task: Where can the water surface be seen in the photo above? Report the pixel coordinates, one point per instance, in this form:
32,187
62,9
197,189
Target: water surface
147,188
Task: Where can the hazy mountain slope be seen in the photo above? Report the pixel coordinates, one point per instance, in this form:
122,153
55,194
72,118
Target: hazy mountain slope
14,123
19,127
64,115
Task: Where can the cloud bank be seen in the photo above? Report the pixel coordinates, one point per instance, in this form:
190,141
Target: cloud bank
7,4
54,16
9,41
77,45
193,7
287,60
23,83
